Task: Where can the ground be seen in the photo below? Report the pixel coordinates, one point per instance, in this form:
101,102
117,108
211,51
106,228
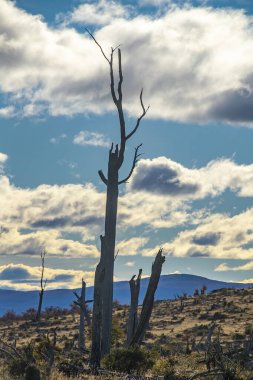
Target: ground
178,329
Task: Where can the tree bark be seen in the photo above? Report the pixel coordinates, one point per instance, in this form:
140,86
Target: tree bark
103,287
95,356
133,310
109,251
149,299
43,284
82,324
38,316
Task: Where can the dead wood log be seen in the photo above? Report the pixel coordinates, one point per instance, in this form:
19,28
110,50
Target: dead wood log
133,310
149,299
84,314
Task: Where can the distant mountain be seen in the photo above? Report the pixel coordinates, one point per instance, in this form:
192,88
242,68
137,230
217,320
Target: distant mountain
170,286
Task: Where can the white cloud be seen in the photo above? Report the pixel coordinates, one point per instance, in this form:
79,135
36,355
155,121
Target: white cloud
224,267
132,246
130,264
6,112
247,281
165,177
57,140
100,12
25,277
3,159
192,62
218,236
91,138
67,219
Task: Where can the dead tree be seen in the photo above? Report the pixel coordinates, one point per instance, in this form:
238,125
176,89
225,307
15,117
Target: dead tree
43,284
149,299
133,310
84,314
103,286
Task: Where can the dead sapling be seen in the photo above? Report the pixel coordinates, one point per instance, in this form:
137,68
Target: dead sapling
84,315
43,284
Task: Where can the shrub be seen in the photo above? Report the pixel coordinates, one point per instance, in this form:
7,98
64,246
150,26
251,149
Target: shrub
248,330
127,360
118,333
165,367
17,367
32,373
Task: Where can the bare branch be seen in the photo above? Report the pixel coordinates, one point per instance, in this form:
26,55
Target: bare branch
102,176
112,79
115,257
120,76
96,42
43,255
135,160
139,275
144,111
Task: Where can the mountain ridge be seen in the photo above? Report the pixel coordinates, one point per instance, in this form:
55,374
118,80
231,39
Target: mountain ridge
170,286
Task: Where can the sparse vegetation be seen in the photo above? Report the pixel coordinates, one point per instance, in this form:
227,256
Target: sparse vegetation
175,345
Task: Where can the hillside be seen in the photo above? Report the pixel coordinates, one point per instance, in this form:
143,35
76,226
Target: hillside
170,286
178,333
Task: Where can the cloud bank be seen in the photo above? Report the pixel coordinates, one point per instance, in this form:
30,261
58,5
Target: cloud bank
193,63
68,219
26,277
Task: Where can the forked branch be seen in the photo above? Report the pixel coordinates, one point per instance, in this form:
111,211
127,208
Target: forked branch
117,99
135,160
144,111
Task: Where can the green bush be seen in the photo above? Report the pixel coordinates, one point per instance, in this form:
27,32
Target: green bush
165,367
129,360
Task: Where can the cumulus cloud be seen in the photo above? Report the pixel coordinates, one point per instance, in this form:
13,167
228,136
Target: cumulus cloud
25,277
91,138
187,73
7,112
67,219
225,268
100,12
3,159
221,236
131,247
163,176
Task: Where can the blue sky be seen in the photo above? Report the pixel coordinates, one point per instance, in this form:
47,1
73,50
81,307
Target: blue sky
191,192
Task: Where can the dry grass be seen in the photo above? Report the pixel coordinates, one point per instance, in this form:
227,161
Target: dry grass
173,327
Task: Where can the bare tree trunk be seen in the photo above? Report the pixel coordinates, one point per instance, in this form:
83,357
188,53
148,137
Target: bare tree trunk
43,284
103,287
133,310
81,324
149,299
108,259
38,316
95,355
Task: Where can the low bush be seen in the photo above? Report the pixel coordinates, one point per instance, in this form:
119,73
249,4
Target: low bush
129,360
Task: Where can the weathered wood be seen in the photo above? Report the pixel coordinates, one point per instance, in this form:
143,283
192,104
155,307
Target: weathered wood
149,299
103,289
95,355
81,299
43,284
133,310
109,251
